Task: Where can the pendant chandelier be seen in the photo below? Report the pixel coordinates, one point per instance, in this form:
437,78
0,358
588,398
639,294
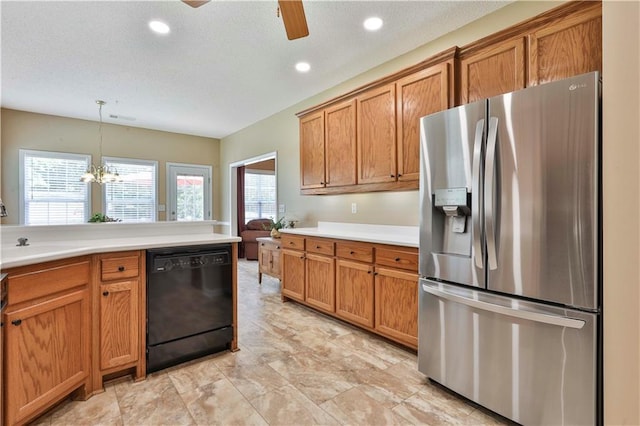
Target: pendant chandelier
102,173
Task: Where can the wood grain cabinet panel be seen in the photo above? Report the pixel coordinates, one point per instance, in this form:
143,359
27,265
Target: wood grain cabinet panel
312,154
268,257
340,144
117,268
293,274
47,353
119,324
497,69
320,282
292,242
354,292
423,93
376,135
567,47
396,305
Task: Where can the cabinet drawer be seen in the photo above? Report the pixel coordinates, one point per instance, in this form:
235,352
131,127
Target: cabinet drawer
114,268
320,246
293,242
355,251
44,280
397,259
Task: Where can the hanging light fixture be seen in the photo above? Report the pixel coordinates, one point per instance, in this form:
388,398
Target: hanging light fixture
102,173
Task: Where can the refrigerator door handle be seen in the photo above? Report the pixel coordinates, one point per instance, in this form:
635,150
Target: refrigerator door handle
503,310
476,195
489,180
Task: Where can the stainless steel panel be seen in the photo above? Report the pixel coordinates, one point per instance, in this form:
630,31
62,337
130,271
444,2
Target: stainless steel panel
522,365
546,192
447,143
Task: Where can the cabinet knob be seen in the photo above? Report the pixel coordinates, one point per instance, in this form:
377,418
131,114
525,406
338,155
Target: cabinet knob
368,272
278,247
321,183
375,273
392,175
397,259
16,322
105,293
352,252
399,175
301,257
317,247
121,268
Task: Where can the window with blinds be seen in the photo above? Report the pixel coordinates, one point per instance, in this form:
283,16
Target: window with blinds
134,198
50,189
259,195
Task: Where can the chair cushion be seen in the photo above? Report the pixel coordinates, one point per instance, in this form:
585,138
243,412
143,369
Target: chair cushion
258,225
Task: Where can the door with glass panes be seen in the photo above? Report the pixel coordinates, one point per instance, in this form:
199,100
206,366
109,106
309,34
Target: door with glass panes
188,192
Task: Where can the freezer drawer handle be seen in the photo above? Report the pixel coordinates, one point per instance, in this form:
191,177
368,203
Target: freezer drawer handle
503,310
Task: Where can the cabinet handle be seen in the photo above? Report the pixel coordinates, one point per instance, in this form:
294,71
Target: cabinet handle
317,247
375,273
368,272
352,253
278,247
301,257
105,293
399,175
121,268
16,322
397,259
392,175
321,183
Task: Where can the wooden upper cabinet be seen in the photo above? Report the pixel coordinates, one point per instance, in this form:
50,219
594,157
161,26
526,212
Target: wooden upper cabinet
494,70
376,135
567,47
423,93
312,151
340,153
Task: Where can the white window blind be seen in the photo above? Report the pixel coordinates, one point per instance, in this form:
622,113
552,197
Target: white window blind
259,195
50,189
133,199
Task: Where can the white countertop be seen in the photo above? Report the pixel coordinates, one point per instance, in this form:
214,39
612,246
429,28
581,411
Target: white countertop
53,243
407,236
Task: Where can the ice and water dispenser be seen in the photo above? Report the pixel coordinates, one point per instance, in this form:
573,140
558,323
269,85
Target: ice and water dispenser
451,221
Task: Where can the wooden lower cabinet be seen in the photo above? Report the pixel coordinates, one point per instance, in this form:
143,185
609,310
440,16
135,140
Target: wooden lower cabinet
293,274
354,292
396,305
119,324
47,337
119,316
320,282
268,257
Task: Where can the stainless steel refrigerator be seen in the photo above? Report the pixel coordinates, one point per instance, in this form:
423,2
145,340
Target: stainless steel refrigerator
510,252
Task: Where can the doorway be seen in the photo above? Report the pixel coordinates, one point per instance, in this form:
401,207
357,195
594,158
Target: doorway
188,192
251,164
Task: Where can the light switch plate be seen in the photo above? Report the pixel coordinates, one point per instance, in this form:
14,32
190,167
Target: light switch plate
281,208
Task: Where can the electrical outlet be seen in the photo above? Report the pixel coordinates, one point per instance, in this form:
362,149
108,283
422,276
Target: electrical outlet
354,208
281,208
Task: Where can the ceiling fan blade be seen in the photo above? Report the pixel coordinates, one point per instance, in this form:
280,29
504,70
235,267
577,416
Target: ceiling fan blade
293,17
195,3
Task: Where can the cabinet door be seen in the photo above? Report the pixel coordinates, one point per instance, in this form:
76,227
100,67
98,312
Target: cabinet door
119,338
568,47
264,258
293,274
275,262
340,128
419,94
320,291
396,299
354,292
47,353
376,136
312,151
493,71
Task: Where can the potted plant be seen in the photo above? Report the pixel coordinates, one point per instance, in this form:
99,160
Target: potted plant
99,217
276,226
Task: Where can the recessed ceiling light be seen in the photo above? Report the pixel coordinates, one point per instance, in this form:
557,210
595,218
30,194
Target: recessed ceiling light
159,27
373,24
303,66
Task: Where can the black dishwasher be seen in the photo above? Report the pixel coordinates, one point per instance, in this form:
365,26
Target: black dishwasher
189,303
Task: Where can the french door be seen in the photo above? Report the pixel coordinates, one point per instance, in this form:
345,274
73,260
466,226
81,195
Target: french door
188,192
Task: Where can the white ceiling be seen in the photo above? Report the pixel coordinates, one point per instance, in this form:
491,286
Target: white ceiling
223,66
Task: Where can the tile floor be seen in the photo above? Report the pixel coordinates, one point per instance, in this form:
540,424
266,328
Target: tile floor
294,367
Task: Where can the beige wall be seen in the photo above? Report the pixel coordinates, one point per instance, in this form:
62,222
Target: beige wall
280,133
51,133
621,191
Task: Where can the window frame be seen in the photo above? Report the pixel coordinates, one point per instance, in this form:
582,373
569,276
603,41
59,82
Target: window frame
134,161
171,188
22,153
249,170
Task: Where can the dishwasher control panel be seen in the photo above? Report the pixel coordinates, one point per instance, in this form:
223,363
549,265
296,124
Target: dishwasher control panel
170,263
